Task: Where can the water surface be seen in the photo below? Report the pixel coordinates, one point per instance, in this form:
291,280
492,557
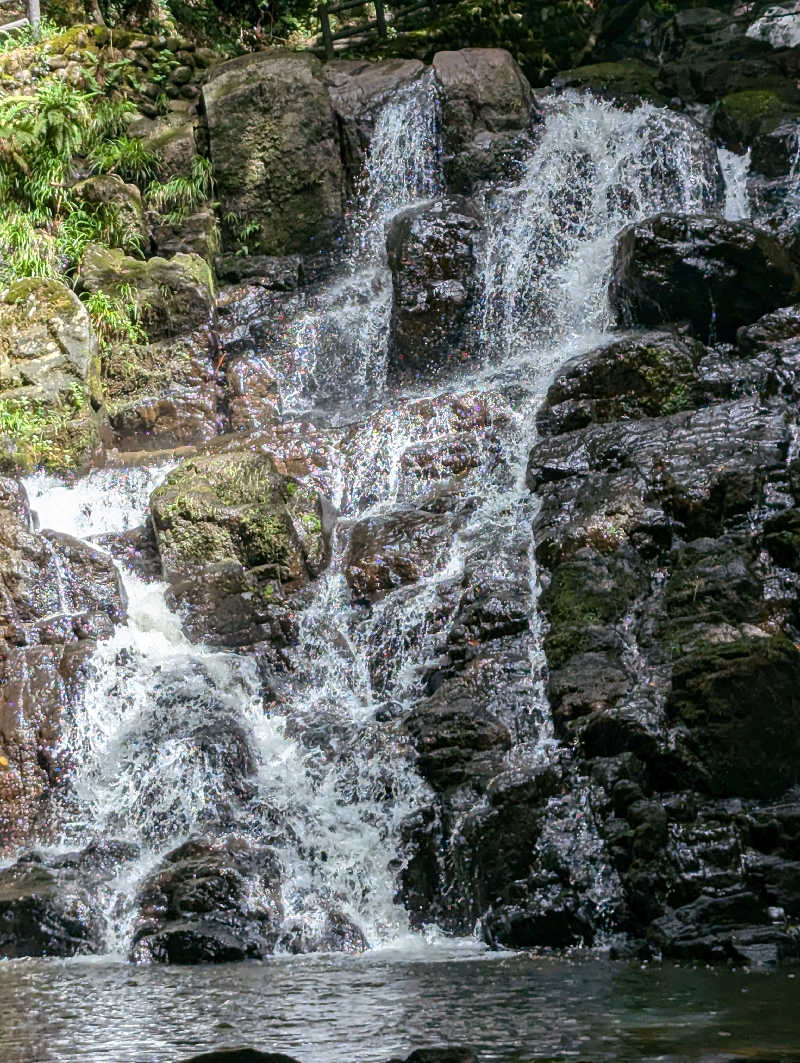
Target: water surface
337,1009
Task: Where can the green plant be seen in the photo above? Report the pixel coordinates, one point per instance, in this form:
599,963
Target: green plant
182,192
110,118
126,156
62,118
25,36
115,317
242,232
163,66
44,435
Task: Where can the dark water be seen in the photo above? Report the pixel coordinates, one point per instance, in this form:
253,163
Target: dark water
335,1009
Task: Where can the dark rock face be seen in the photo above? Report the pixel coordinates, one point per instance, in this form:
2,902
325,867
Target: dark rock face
432,253
238,540
48,904
668,565
57,597
715,274
209,902
274,151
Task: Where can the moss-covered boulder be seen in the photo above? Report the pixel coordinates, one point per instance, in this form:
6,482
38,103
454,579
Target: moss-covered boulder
763,120
172,297
628,79
275,152
49,376
238,540
122,205
642,376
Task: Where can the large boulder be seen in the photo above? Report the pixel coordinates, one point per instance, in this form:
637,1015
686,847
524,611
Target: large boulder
238,540
172,297
209,902
482,90
433,251
49,376
46,911
486,110
717,275
275,152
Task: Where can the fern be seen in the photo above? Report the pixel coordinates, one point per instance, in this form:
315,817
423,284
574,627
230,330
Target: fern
126,156
183,193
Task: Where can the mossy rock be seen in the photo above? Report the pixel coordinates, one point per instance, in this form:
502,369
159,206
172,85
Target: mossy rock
275,153
239,508
741,117
738,704
651,375
49,376
628,79
172,296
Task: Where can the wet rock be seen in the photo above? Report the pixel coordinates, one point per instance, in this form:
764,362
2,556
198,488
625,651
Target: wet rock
759,119
46,912
282,274
275,152
237,538
626,81
359,89
209,902
164,394
717,275
644,376
173,297
337,933
739,703
456,741
432,253
49,376
57,597
400,548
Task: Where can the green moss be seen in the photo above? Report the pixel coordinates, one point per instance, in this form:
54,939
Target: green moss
199,542
629,77
265,538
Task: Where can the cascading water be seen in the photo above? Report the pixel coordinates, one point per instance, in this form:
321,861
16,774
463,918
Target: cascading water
172,739
337,348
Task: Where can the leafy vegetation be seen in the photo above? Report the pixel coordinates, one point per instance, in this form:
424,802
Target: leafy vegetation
182,193
45,436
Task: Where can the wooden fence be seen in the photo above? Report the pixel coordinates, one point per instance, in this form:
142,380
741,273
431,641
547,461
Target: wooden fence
33,17
380,24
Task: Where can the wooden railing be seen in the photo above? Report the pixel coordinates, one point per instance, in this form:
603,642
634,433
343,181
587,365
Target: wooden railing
398,9
32,19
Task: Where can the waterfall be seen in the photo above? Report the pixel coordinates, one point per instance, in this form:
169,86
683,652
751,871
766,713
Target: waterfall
551,239
336,349
172,739
735,171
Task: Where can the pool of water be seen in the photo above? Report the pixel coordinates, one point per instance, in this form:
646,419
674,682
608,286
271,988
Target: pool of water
337,1009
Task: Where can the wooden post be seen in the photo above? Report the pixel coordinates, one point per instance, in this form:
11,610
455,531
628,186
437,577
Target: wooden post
380,18
34,16
322,12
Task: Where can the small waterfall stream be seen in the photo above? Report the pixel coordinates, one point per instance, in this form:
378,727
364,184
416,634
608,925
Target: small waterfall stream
166,727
